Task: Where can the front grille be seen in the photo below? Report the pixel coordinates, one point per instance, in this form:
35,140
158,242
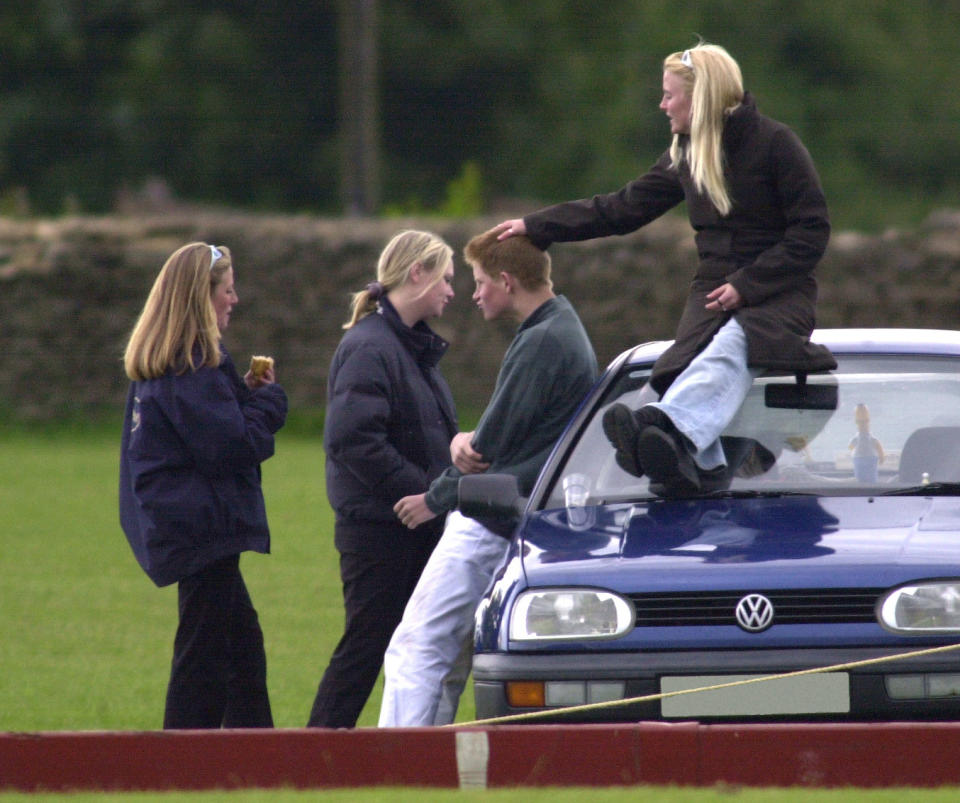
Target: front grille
805,606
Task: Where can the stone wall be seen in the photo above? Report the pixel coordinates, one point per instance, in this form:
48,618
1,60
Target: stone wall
71,289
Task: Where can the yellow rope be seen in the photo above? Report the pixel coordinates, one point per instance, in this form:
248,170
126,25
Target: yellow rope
652,697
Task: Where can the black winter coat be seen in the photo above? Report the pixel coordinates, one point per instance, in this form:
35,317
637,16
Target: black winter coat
389,421
767,247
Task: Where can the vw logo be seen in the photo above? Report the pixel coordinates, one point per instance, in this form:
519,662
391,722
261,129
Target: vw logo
754,613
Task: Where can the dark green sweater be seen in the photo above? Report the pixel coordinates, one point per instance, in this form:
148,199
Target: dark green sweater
545,374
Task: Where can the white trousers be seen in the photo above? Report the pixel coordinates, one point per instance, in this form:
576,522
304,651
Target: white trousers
428,661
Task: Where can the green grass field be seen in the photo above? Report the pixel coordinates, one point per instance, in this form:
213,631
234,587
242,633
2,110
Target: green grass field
85,637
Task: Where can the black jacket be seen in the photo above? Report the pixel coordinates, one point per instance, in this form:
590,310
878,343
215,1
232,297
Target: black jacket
389,420
190,468
767,247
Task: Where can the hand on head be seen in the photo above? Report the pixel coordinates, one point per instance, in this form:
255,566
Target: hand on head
509,228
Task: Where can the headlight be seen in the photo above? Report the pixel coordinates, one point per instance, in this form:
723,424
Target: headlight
929,607
570,613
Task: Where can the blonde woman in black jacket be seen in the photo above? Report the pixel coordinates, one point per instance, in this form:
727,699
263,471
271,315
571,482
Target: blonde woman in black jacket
756,204
389,422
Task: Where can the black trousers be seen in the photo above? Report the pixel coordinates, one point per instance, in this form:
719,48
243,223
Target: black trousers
218,677
378,578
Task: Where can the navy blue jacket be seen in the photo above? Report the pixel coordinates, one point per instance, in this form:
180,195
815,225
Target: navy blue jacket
389,420
190,468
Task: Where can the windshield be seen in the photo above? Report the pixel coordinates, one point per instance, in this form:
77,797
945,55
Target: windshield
876,424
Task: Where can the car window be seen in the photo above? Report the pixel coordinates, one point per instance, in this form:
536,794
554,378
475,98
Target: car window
883,422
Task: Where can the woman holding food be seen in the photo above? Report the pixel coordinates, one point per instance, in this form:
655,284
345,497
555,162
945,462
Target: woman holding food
194,437
389,422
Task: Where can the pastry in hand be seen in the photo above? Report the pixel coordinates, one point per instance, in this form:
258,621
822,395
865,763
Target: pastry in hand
259,366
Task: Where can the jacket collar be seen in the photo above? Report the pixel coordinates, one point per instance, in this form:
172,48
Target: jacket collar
545,310
740,121
420,340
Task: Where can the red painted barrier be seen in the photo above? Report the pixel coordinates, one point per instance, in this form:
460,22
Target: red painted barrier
685,754
862,755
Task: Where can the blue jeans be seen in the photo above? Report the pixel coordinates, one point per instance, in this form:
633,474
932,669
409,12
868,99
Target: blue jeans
708,393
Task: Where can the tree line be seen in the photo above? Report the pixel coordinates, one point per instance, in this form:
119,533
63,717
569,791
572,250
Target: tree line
468,103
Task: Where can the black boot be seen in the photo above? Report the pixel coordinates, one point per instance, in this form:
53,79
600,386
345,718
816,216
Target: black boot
664,455
622,430
623,426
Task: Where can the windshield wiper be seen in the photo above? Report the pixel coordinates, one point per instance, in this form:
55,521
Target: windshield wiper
720,493
748,493
930,489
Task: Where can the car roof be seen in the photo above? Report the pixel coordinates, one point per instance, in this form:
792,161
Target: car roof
843,341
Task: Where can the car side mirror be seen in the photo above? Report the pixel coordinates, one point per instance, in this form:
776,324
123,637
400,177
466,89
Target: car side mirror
490,496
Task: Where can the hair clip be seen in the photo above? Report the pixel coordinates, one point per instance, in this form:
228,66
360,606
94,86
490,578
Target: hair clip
215,254
686,59
375,290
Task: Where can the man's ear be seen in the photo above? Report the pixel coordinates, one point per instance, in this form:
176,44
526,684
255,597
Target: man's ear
509,281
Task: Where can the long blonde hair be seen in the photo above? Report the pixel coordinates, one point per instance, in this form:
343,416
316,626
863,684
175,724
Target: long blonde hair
714,84
178,315
404,250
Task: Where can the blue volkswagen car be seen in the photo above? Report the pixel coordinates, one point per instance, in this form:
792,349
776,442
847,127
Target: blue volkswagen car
819,581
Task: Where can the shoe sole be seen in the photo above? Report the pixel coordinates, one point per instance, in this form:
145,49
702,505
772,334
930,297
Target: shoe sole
662,462
622,431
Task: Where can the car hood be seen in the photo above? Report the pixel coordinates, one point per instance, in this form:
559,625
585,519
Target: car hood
770,542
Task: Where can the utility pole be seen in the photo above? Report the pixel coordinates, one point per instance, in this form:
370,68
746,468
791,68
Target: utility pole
359,107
